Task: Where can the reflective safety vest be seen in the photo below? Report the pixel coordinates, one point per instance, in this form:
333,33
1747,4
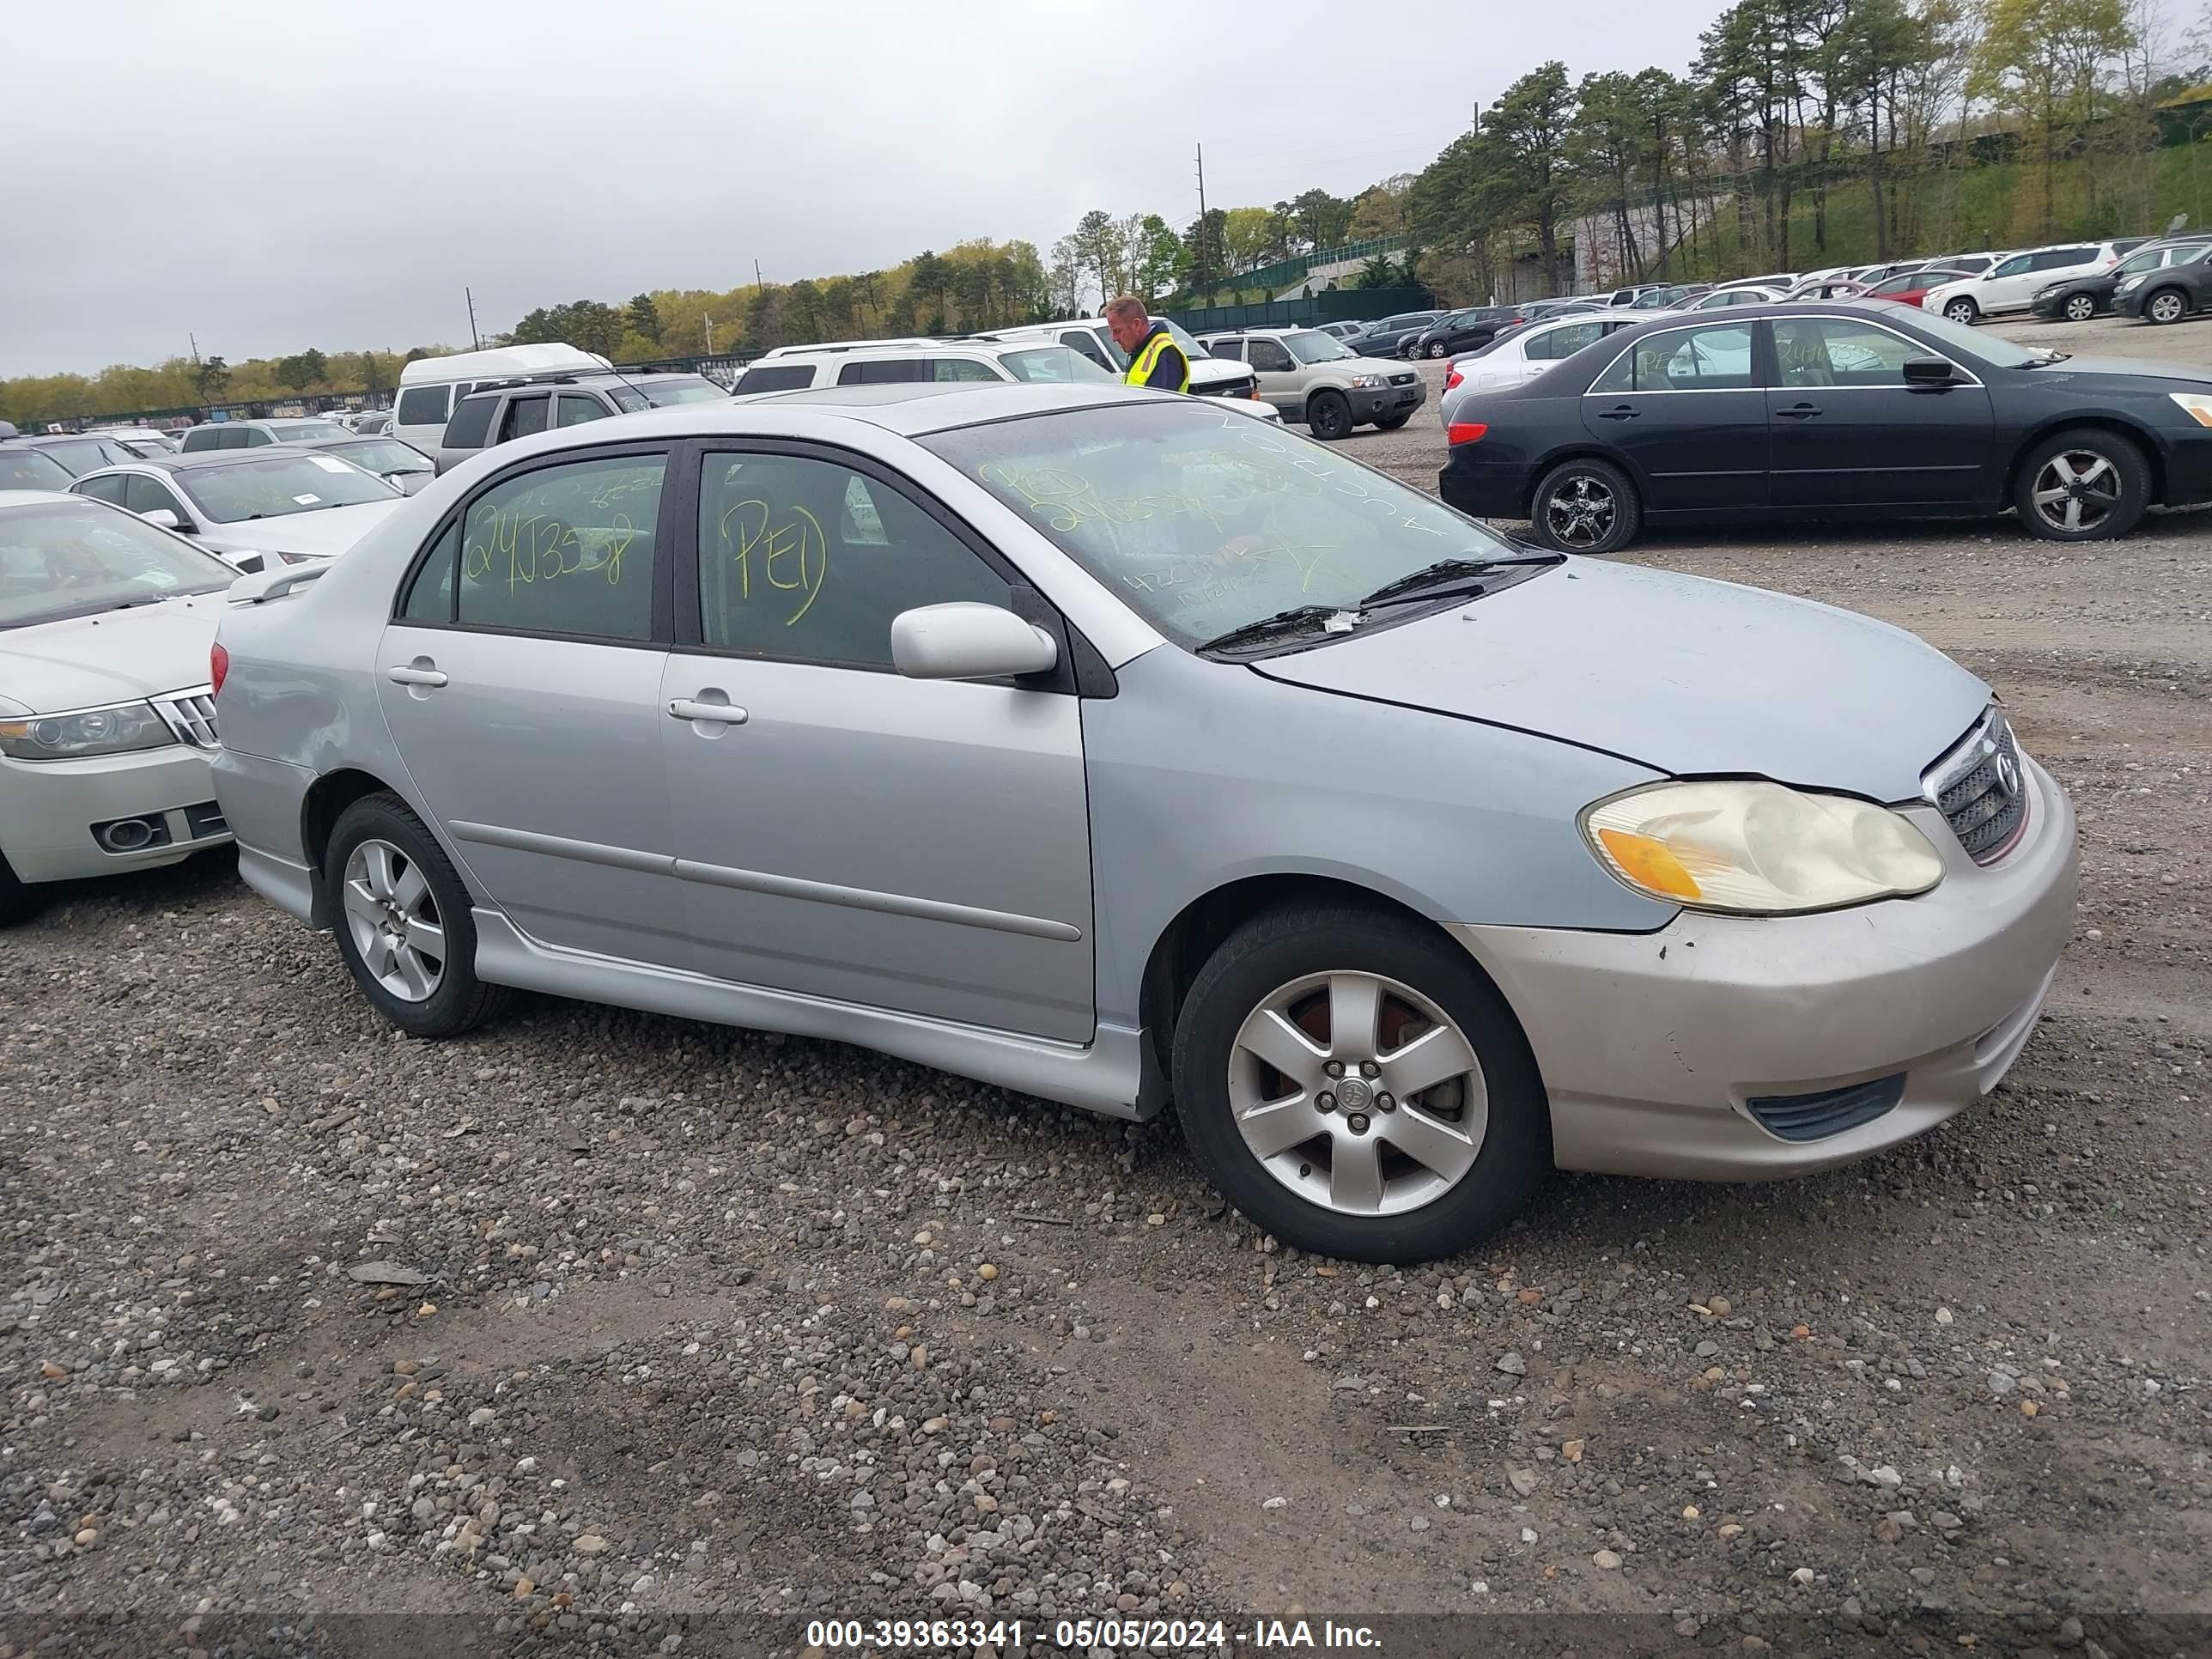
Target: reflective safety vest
1148,357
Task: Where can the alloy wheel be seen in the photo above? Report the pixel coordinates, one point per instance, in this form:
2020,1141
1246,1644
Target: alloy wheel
392,917
2166,307
2081,308
2076,490
1357,1093
1581,512
1962,311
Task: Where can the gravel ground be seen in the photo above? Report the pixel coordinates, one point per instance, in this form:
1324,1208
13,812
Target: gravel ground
689,1328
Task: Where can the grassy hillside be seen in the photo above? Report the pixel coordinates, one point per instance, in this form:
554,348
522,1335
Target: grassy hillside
1996,205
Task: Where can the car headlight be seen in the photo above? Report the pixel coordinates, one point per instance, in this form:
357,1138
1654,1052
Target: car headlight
113,731
1755,849
2128,284
1369,382
2198,405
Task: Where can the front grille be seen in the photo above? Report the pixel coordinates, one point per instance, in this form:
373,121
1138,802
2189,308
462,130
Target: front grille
1981,788
1829,1112
190,715
1404,380
1240,388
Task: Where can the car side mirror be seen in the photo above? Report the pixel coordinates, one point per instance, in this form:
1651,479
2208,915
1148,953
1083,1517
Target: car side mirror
167,520
1928,371
966,640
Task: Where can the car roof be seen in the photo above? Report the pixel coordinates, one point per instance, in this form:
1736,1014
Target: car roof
39,498
199,459
906,408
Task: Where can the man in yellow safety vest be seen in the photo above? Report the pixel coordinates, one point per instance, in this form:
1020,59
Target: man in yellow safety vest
1155,360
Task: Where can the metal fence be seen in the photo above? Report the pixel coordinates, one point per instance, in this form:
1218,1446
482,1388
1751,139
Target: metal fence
1289,271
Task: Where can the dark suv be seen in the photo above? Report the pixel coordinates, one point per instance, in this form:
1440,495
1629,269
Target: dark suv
492,415
2077,299
1393,337
1463,330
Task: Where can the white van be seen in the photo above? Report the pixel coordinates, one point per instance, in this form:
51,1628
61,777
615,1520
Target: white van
430,386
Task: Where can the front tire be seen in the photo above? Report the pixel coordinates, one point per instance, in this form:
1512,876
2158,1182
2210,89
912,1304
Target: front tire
1963,310
2168,304
2083,485
1328,416
1586,505
406,929
1436,1131
19,900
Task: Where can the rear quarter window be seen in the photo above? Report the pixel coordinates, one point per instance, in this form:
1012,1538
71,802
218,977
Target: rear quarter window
775,377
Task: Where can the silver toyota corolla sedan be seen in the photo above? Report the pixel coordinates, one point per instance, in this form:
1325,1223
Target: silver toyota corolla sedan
1120,750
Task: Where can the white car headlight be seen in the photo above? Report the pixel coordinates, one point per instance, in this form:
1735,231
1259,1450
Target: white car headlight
1762,850
86,731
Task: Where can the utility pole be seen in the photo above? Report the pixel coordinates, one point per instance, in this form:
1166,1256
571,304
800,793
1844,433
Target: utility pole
710,336
474,338
1202,270
758,282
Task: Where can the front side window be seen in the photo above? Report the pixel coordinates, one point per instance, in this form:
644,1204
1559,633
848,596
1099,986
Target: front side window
471,422
80,558
109,487
254,437
1565,340
2019,263
278,486
575,408
421,405
1204,520
1823,351
810,561
1268,356
1107,353
565,550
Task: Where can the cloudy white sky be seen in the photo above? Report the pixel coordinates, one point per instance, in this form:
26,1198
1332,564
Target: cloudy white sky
270,176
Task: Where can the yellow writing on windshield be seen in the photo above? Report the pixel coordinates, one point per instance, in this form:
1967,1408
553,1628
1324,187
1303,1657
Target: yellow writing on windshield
790,557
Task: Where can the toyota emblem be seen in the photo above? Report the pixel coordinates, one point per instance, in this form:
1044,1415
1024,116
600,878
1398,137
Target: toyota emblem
2008,771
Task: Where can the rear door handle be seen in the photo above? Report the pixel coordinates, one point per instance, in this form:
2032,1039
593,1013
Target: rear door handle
685,709
1799,411
1619,414
402,673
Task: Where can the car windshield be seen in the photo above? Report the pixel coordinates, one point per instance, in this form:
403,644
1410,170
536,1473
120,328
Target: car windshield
385,455
1315,347
1053,366
1976,343
291,432
1206,520
278,487
81,558
687,388
1176,332
32,469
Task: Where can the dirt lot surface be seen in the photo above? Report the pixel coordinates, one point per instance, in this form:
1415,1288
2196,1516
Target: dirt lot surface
702,1327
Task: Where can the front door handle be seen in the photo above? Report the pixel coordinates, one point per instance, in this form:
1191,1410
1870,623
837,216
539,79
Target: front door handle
686,708
1624,413
1799,411
416,673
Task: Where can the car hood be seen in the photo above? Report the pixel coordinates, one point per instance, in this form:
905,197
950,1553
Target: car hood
114,656
2195,374
327,532
1685,675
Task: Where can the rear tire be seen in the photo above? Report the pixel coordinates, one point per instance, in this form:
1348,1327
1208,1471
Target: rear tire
1437,349
2097,479
1465,1154
19,900
1963,310
2080,308
396,898
1328,416
2168,304
1586,505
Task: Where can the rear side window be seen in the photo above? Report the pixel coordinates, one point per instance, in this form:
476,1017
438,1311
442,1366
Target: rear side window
469,423
525,417
110,489
421,405
1083,340
894,371
200,437
1233,349
964,369
565,550
576,408
775,377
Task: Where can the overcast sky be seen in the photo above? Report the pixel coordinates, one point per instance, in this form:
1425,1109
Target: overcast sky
272,176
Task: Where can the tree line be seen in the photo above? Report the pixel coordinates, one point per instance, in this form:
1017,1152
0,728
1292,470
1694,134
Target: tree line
1804,131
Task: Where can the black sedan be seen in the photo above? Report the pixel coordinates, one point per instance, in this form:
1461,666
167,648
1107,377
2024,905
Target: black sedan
2080,298
1860,408
1392,336
1463,330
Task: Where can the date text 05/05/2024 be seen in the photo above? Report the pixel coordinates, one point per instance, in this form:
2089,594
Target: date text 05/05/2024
825,1636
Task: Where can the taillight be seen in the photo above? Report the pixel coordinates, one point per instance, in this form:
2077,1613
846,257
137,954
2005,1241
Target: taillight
1466,432
218,666
1454,378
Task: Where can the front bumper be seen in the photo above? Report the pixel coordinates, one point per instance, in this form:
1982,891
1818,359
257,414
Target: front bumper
48,810
1652,1045
1387,403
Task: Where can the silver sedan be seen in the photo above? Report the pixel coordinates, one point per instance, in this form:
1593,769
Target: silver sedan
1122,751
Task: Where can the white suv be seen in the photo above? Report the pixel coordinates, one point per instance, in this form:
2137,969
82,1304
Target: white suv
1037,361
1210,377
2013,282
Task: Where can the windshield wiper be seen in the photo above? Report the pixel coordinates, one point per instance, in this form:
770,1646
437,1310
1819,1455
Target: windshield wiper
1298,619
1448,576
2050,357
